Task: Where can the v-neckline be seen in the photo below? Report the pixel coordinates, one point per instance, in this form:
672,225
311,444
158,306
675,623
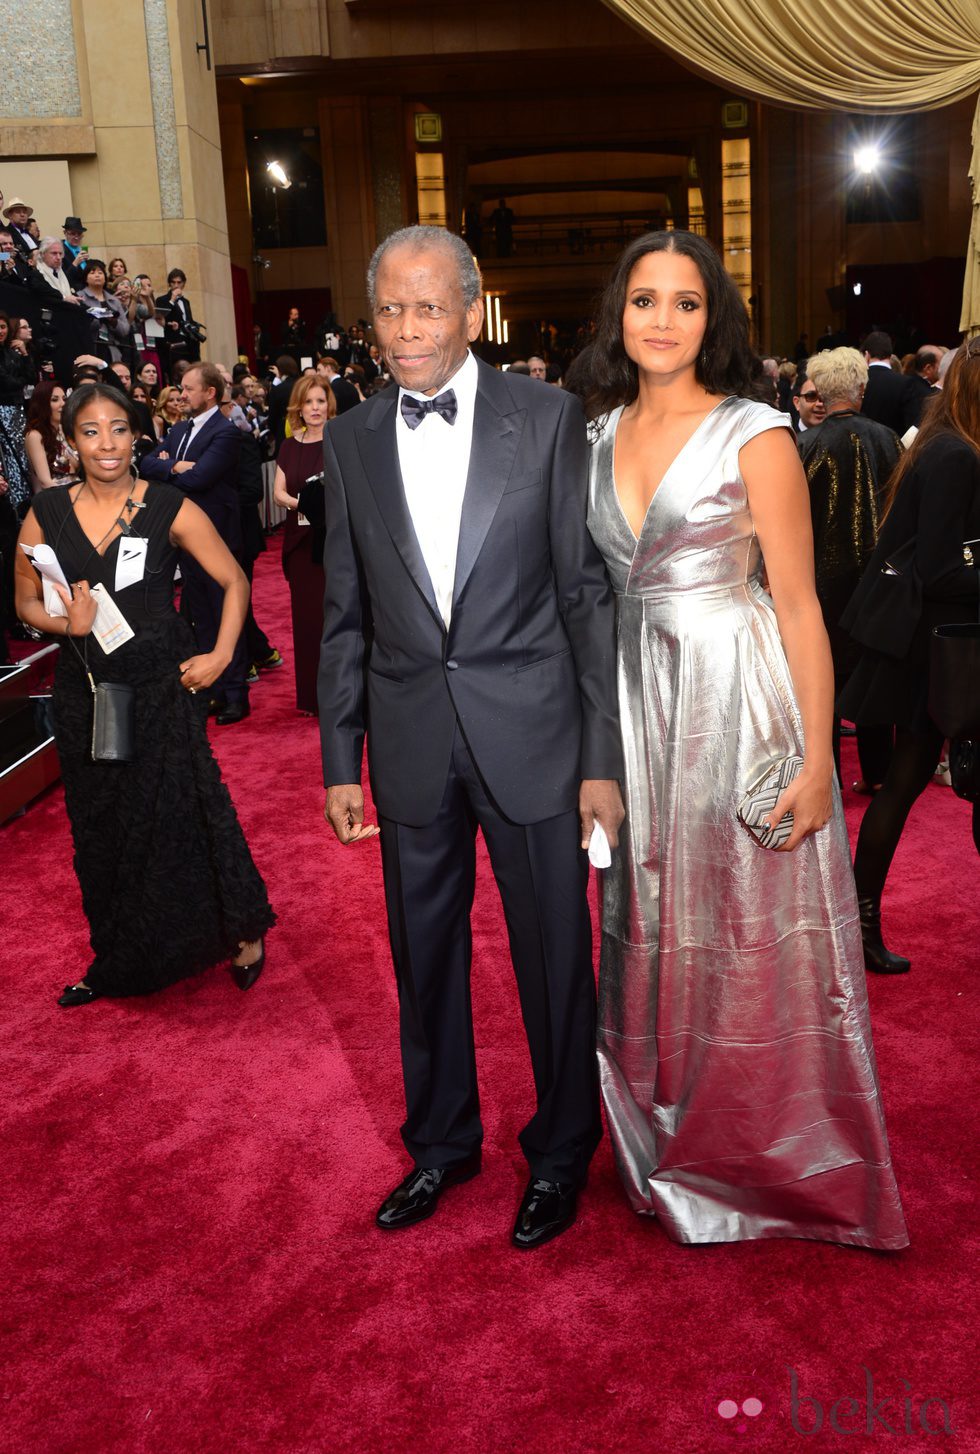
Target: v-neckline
663,478
93,548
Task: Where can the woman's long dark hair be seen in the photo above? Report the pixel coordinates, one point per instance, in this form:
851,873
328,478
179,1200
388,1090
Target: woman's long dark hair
39,418
608,377
955,410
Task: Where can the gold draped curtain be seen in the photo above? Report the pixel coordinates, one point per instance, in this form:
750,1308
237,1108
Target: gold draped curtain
875,55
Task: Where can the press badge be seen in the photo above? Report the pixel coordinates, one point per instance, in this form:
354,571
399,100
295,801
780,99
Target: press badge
131,561
110,628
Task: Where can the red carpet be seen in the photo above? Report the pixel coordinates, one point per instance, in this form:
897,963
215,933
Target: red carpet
191,1261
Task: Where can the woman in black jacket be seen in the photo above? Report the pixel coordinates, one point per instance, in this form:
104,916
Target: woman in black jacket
921,575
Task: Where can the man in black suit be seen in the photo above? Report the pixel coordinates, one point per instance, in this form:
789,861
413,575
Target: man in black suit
884,397
343,391
178,342
201,456
456,544
279,396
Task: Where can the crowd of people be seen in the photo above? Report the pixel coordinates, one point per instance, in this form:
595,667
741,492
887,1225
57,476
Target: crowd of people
635,630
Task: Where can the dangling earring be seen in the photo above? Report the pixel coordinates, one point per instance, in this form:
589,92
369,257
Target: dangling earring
704,360
133,467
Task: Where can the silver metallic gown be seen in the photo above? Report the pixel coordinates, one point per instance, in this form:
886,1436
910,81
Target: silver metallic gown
735,1050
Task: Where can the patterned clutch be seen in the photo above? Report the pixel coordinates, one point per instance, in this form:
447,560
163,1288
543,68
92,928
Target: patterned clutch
762,797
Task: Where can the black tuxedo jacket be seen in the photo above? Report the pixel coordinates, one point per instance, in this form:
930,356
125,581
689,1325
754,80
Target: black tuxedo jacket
345,394
279,397
884,398
213,482
528,665
917,391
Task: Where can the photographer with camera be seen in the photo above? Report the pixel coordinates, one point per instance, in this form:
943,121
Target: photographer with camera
184,335
14,269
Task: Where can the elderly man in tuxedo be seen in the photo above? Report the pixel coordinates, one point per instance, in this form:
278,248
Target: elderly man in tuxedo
460,572
201,456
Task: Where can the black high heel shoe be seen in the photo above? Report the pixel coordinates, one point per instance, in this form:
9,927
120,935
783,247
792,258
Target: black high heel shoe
877,958
78,994
245,975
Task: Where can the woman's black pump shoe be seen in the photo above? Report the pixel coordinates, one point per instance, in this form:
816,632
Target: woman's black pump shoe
877,958
78,994
245,975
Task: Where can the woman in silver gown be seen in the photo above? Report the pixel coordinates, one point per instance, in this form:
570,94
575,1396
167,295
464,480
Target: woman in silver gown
735,1049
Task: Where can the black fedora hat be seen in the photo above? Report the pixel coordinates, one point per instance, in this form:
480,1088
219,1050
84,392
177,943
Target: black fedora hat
74,224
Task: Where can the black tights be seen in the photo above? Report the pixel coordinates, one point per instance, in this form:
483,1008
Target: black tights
913,762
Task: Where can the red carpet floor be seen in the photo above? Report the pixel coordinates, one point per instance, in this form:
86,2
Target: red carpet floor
190,1181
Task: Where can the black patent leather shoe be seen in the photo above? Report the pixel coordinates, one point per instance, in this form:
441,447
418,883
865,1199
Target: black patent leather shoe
78,994
234,712
418,1195
245,975
547,1209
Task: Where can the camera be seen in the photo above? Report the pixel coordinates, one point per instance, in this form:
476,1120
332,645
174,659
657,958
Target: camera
47,343
195,332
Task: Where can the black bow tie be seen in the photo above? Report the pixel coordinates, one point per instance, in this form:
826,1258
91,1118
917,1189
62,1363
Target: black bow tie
415,410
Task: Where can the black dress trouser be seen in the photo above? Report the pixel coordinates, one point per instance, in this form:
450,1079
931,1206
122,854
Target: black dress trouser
542,874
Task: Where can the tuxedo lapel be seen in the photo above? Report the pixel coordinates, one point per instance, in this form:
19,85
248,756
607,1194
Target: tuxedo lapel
497,429
378,448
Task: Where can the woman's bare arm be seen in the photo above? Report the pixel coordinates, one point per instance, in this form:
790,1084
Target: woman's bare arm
780,505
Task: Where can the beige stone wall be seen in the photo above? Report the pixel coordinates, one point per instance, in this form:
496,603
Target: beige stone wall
144,151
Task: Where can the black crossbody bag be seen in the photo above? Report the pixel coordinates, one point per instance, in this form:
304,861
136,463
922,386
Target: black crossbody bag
113,716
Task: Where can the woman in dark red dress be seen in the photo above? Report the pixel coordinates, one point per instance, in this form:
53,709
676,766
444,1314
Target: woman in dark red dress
300,464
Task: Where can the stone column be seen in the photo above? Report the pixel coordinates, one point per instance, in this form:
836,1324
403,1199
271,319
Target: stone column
126,99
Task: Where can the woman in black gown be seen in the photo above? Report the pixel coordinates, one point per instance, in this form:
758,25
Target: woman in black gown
168,883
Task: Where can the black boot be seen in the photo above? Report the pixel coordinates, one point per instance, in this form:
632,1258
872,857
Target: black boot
877,958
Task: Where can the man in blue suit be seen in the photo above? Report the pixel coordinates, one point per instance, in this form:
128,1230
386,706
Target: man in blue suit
201,456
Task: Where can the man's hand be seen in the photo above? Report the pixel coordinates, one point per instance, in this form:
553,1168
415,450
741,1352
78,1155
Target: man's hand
344,811
600,801
181,467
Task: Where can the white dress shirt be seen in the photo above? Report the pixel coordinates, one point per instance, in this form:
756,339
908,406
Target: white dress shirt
197,424
435,460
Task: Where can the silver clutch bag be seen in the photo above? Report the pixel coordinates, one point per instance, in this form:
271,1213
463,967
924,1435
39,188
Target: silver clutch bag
762,797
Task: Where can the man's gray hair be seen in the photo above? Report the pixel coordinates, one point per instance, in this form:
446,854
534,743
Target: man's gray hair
418,239
47,242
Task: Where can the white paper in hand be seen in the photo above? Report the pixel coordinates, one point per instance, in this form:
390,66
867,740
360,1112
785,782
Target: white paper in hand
46,563
599,855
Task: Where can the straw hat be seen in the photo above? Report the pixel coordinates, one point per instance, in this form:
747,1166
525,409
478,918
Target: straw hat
13,204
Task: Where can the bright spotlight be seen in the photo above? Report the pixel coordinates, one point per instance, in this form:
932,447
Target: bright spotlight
867,159
277,172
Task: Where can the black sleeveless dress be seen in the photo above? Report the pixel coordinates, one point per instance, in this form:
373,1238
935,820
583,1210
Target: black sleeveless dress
168,883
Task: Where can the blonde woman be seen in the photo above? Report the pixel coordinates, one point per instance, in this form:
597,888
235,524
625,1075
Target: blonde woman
169,410
298,489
